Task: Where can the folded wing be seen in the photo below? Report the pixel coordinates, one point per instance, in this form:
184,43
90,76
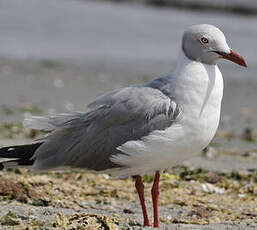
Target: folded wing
89,140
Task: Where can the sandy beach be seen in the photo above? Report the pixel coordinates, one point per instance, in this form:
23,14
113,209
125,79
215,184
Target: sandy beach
60,61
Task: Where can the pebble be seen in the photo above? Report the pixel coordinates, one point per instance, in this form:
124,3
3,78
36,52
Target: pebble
240,195
106,176
209,188
169,217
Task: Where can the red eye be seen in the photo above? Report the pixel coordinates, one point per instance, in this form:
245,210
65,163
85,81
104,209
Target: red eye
204,40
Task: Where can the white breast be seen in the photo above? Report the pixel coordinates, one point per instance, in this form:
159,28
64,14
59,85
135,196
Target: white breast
198,89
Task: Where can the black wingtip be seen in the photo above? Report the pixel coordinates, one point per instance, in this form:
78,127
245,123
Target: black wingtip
20,154
19,151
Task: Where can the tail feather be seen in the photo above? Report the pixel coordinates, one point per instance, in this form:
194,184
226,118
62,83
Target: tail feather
17,155
50,123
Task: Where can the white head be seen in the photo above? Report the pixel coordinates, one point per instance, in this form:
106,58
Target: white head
207,44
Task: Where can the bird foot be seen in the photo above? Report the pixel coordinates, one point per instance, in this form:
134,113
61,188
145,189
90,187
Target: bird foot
156,225
148,224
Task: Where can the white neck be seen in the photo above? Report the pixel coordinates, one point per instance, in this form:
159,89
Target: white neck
197,85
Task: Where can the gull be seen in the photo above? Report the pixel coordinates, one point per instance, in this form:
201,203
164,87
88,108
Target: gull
141,129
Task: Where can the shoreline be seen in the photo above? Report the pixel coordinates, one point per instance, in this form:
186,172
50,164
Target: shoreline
246,8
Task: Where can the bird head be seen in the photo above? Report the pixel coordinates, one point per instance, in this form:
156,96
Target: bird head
207,44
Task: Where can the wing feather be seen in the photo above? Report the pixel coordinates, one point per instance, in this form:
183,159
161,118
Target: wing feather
89,140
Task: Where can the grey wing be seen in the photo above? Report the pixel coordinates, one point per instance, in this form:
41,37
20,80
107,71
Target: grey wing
88,140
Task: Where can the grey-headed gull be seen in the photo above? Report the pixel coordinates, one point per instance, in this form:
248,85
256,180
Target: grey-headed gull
140,129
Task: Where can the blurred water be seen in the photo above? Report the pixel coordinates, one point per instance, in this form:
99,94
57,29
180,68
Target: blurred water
108,33
106,46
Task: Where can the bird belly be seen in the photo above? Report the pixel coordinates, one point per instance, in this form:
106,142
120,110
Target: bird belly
162,149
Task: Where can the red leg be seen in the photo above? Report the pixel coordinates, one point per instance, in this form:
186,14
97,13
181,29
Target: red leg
140,190
155,197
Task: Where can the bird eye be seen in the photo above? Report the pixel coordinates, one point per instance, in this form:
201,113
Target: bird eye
204,40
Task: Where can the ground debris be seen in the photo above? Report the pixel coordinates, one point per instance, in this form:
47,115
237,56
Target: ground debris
13,190
209,188
10,219
86,221
90,200
249,134
20,191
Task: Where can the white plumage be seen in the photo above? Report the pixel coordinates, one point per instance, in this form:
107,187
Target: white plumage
199,90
